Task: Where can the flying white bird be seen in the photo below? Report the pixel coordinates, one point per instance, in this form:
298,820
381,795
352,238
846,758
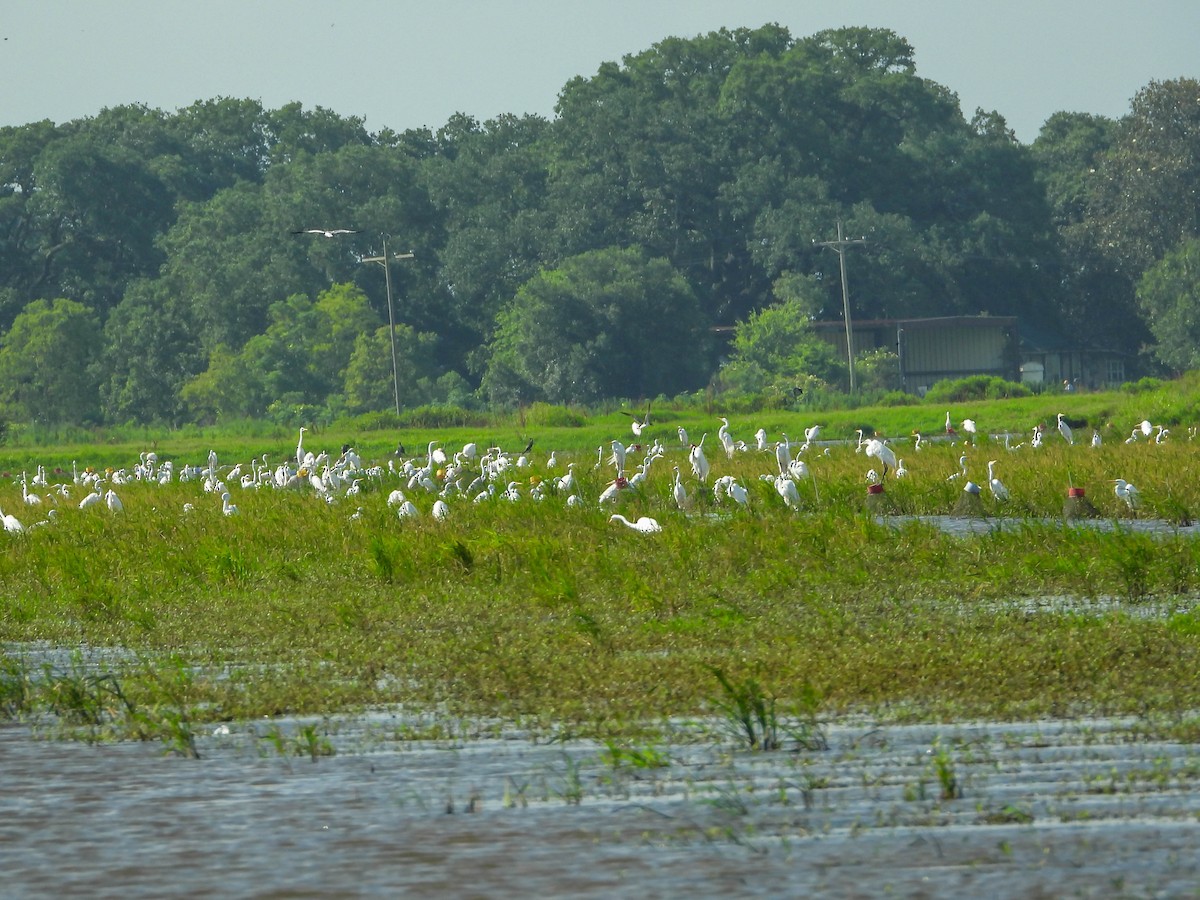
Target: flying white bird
326,232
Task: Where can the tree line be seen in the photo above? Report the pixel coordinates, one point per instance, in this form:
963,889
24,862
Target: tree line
657,236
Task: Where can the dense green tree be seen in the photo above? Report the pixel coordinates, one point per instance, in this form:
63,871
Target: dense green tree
1169,293
369,382
1145,201
45,360
607,323
151,349
488,182
775,349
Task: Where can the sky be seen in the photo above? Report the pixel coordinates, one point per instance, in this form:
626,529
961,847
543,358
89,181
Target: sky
400,64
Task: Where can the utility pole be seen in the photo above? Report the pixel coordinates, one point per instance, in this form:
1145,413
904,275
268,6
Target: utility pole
387,278
840,246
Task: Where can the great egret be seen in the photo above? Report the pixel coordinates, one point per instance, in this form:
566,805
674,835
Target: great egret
113,501
227,506
783,454
726,437
644,524
968,426
440,510
300,447
760,439
638,425
786,488
700,466
326,232
883,453
999,491
1127,492
1096,440
949,424
1065,430
679,492
617,459
12,523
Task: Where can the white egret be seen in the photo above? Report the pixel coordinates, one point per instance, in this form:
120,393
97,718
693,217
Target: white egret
999,491
739,494
1096,440
968,425
760,439
882,452
679,492
683,435
787,489
440,510
228,508
726,437
113,501
644,524
783,454
12,523
700,466
1065,430
1146,427
900,470
617,459
1127,492
326,232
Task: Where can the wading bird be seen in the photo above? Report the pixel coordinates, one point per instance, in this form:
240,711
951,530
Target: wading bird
1127,492
1065,430
644,524
999,491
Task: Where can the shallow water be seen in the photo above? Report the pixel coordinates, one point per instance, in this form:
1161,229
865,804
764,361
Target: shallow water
1048,808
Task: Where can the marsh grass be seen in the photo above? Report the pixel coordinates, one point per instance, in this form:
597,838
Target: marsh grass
541,613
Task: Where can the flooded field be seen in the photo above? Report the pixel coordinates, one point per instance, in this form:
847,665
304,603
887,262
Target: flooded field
1081,808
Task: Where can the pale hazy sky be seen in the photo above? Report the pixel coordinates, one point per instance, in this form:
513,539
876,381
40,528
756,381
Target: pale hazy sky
405,64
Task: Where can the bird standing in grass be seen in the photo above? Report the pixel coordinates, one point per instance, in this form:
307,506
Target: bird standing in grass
999,491
1127,493
1065,430
644,524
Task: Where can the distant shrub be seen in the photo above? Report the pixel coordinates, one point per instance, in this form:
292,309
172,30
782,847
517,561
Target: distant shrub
372,421
434,416
1142,385
976,387
897,398
547,415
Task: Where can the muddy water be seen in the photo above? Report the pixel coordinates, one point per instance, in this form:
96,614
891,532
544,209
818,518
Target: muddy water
1051,809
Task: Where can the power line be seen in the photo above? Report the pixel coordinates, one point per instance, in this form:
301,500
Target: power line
840,246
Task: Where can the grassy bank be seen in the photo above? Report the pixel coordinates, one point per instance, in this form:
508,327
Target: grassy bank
549,613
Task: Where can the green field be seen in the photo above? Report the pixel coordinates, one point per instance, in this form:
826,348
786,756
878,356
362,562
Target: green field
553,615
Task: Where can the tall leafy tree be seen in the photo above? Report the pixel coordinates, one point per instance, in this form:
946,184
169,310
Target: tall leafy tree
607,323
1145,201
1169,293
151,348
45,362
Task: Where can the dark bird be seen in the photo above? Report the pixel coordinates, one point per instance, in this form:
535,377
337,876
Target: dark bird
326,232
528,446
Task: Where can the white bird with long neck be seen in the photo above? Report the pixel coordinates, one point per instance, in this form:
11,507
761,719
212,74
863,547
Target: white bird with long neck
700,466
726,437
679,492
999,491
783,454
644,524
1065,430
1127,492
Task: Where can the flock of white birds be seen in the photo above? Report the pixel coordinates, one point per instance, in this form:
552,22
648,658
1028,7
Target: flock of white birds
474,475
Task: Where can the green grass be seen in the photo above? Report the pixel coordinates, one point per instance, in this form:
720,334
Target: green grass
553,616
